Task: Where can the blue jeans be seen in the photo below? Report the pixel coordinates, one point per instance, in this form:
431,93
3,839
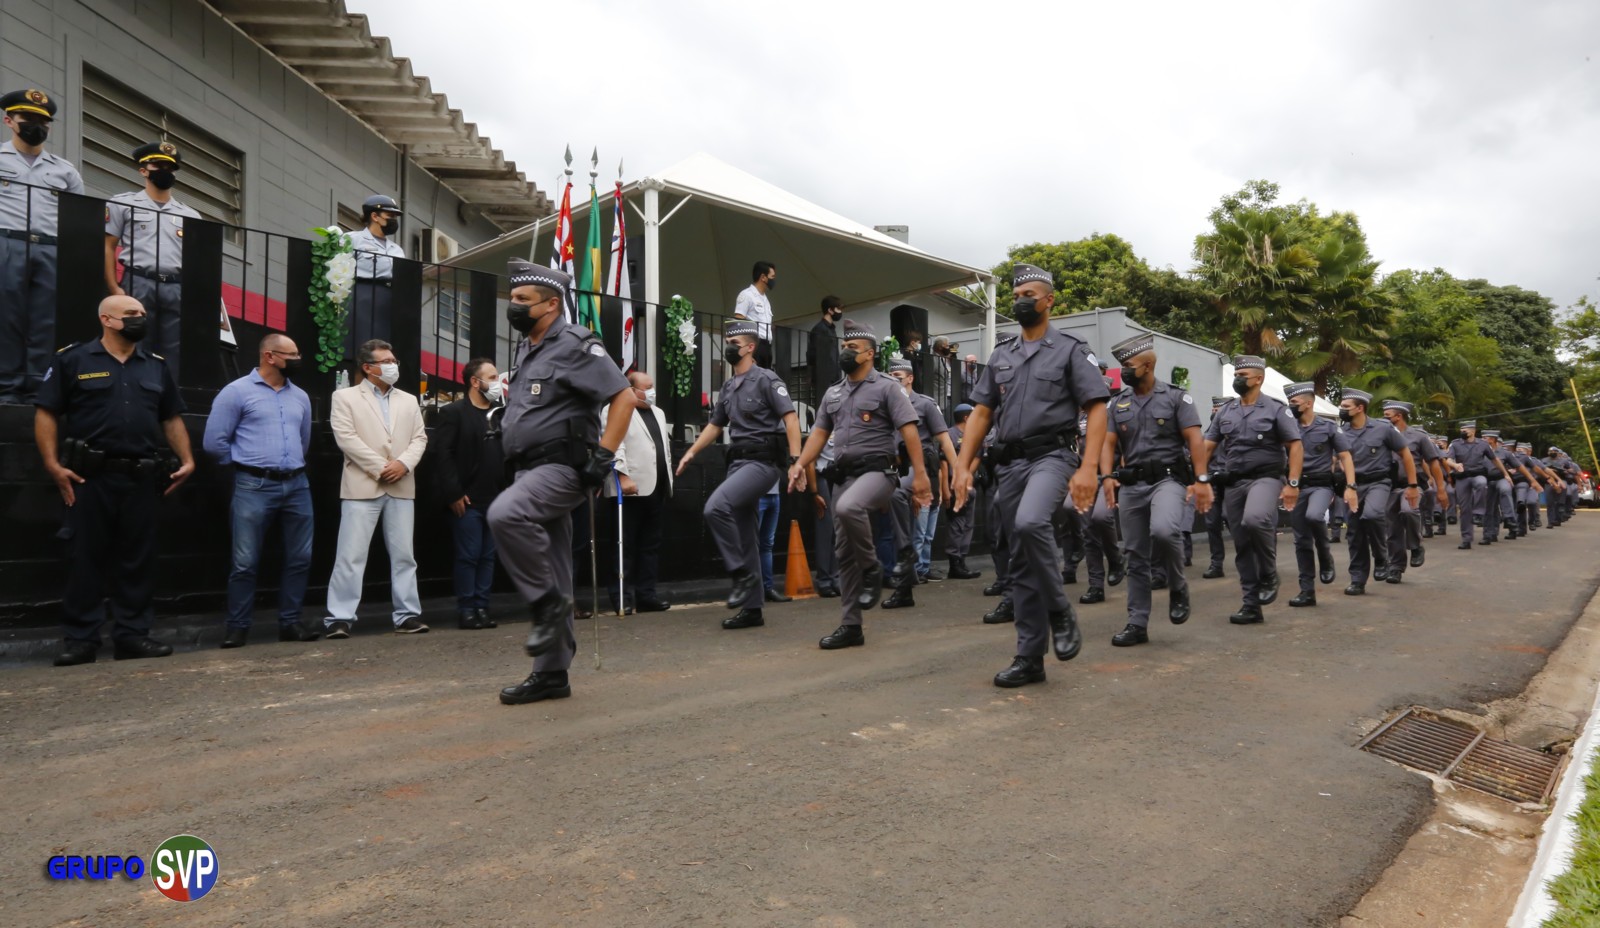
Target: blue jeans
925,524
256,501
474,559
767,534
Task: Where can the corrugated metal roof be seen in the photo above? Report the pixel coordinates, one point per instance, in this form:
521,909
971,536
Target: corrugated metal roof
336,51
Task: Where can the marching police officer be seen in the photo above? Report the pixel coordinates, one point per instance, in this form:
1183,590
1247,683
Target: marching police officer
1325,468
1255,433
144,234
1405,518
376,250
861,415
1371,440
1151,422
754,405
984,479
1528,505
934,436
1214,520
1499,506
958,524
1036,385
551,434
111,405
1477,460
30,181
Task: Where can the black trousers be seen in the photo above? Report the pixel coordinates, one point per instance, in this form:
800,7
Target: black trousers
369,314
764,354
113,554
642,521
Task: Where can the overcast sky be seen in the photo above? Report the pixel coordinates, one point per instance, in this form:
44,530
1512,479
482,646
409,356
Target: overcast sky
1466,135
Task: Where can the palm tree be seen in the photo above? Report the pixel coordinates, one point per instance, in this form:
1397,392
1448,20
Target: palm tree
1348,324
1257,266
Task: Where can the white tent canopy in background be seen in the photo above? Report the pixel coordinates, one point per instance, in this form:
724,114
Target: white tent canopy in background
1272,385
705,223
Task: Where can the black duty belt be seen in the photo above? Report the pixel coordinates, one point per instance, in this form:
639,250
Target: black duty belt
1228,478
1155,472
129,466
1367,480
1317,479
38,238
1033,447
374,282
157,276
269,473
568,451
765,451
844,469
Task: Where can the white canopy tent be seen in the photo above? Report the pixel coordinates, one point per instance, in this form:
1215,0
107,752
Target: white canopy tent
1272,385
705,223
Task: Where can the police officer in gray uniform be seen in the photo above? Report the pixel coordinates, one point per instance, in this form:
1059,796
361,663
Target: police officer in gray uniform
1528,502
862,414
958,524
376,249
1476,460
1148,478
1255,433
754,406
1371,443
144,234
1405,519
30,181
1325,467
1498,504
934,435
984,479
1036,385
560,375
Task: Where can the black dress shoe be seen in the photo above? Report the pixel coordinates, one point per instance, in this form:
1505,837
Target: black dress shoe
1094,594
1130,635
1069,577
828,592
905,568
298,632
538,686
1023,670
1247,615
960,571
1335,538
236,637
1212,572
1117,573
1178,607
1394,577
934,575
744,618
653,604
133,649
550,613
1355,589
773,596
744,583
1464,546
1076,557
899,599
484,620
1003,613
77,652
467,621
871,587
1328,574
1065,636
845,636
1269,592
1418,556
1158,583
1306,598
1380,572
994,589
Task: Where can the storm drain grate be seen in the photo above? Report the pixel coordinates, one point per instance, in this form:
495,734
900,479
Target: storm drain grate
1462,754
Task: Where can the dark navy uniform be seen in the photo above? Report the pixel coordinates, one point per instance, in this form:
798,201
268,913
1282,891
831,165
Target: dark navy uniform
117,409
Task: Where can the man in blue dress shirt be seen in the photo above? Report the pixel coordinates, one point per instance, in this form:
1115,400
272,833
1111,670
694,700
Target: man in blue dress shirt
261,424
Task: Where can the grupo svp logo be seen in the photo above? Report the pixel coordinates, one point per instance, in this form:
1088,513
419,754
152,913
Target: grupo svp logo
184,868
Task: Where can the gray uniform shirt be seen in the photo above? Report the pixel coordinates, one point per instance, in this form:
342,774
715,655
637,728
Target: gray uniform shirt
151,233
46,171
1037,388
1320,443
562,379
1251,437
1422,451
930,421
864,417
1473,456
753,404
1150,427
1367,447
369,267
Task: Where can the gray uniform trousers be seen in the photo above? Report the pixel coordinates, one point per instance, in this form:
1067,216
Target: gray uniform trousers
1158,572
731,515
1405,529
826,567
1252,512
1152,528
1571,499
162,303
1030,493
1497,505
999,539
1470,493
904,512
27,314
958,531
1369,533
1309,520
854,503
531,521
1100,541
1214,527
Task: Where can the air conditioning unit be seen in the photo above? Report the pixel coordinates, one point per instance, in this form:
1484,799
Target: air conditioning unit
439,247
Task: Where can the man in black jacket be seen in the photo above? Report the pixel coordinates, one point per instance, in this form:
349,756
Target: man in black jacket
822,361
468,470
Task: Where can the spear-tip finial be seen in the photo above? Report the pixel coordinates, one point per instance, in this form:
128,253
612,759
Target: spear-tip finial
569,160
594,164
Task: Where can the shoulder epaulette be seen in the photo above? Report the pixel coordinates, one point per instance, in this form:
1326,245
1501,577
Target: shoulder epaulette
68,346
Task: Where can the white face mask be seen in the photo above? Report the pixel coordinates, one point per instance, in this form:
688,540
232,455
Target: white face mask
389,373
496,393
650,396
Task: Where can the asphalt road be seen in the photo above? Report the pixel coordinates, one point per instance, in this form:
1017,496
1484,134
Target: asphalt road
715,778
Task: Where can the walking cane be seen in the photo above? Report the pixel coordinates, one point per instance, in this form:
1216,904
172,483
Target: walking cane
594,584
621,602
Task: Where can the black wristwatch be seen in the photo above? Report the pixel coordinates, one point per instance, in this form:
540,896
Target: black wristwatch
1202,478
1294,482
1411,486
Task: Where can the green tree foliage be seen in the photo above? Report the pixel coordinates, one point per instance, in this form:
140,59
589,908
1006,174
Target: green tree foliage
1522,323
1257,264
1348,323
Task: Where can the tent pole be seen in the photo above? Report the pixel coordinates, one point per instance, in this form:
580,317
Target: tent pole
988,319
652,275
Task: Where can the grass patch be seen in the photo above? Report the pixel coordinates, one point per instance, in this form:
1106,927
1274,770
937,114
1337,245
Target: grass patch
1577,892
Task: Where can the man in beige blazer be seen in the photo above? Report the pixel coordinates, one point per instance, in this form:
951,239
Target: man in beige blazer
379,429
644,461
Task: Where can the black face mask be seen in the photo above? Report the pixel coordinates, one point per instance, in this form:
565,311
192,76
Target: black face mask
849,361
33,133
292,366
1345,415
391,227
1241,386
162,180
834,317
133,327
772,283
1025,311
732,353
1130,376
517,314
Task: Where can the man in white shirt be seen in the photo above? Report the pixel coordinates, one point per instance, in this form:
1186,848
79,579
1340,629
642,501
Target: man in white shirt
376,250
753,304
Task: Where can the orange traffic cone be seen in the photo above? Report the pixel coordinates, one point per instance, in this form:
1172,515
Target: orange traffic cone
797,577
